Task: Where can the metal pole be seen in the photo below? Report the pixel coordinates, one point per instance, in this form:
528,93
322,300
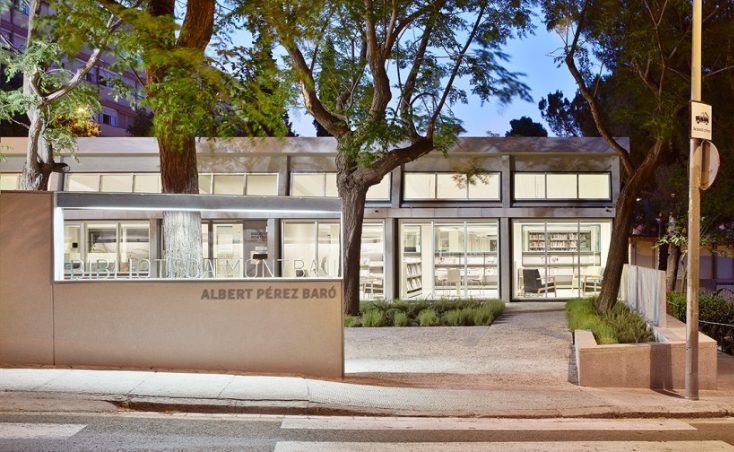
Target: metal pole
694,221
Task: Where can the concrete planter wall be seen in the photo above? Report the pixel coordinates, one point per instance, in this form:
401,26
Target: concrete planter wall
659,365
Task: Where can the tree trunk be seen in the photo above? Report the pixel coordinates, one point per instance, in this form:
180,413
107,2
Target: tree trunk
353,195
618,248
39,162
182,241
671,274
353,202
181,229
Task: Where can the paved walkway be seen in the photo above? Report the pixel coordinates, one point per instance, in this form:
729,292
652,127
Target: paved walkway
522,366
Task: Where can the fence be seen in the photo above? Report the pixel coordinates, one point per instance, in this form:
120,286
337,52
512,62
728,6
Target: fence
643,290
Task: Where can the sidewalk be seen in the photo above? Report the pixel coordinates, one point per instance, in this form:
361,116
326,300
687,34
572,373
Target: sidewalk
518,367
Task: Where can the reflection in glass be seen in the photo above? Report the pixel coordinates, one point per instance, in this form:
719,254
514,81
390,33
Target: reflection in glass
116,183
229,184
419,186
303,184
451,186
594,186
149,183
529,186
562,186
372,261
262,185
228,250
82,182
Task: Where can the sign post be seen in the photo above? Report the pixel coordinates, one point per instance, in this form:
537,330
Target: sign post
694,207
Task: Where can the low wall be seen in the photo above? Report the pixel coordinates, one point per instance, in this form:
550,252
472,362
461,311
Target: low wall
291,326
658,365
282,326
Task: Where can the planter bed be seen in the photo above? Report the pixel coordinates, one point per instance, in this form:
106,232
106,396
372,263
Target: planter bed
657,365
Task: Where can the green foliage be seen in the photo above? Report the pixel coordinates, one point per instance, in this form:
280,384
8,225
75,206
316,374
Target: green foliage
373,318
715,314
618,325
452,312
627,325
350,321
428,317
400,319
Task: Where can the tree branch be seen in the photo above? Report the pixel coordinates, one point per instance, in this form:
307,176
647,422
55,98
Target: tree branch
336,125
454,72
591,100
406,97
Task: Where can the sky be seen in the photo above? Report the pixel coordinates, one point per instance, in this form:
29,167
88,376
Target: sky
531,56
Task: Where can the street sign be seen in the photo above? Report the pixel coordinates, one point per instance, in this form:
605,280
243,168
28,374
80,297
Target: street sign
701,121
708,155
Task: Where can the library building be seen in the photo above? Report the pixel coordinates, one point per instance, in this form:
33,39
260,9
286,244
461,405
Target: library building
535,223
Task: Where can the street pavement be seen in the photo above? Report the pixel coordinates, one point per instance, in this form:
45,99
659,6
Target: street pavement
521,366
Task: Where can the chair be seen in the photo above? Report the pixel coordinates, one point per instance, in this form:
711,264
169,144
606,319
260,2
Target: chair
592,279
533,284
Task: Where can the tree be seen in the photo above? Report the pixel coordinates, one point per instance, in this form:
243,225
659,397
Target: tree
351,57
646,45
525,127
53,95
142,125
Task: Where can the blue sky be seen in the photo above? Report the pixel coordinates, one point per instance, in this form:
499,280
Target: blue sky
531,56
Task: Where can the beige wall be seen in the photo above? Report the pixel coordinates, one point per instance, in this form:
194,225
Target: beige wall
263,326
26,305
248,327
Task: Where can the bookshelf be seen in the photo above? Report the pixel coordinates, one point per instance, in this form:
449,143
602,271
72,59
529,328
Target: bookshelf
414,277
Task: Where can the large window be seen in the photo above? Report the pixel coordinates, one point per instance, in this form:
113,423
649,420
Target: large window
114,182
372,260
9,181
104,249
311,249
238,184
559,259
454,186
562,186
449,259
322,185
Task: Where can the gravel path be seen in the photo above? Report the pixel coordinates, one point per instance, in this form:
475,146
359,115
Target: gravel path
529,345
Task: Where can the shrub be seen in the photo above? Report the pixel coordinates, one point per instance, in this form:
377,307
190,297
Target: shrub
497,307
350,321
400,319
373,318
715,314
618,325
428,317
484,315
627,325
452,318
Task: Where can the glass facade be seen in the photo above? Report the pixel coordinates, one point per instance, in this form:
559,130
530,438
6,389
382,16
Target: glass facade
324,185
449,259
454,186
372,261
105,249
559,259
311,248
562,186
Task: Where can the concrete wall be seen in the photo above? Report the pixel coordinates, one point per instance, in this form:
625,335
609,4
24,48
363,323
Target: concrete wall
659,365
262,326
26,283
219,325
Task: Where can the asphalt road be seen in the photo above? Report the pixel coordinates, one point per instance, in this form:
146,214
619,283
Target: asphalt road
127,431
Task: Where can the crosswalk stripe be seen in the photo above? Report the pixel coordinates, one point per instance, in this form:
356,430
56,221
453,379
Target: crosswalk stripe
561,424
11,430
568,446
